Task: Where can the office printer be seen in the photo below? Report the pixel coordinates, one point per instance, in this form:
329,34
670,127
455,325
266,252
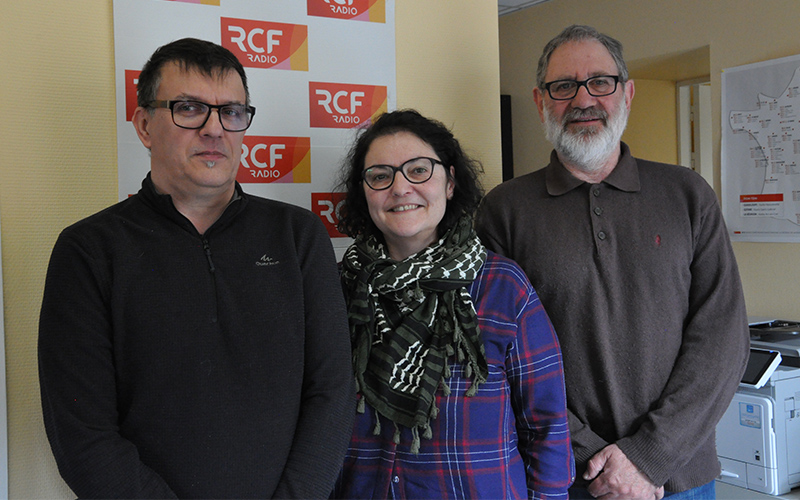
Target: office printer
758,438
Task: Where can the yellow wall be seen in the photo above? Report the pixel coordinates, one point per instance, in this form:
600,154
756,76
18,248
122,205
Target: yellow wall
730,32
59,161
657,139
59,154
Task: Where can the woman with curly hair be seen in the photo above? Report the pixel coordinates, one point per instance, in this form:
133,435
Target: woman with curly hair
458,369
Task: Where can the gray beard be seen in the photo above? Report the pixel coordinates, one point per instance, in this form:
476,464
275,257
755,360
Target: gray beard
590,149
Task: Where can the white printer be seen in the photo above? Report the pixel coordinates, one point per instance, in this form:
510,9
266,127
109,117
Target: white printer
758,438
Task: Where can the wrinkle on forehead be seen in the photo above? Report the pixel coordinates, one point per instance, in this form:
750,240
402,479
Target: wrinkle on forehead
579,60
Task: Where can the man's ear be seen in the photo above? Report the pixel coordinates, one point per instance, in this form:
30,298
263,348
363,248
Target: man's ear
141,122
630,89
538,98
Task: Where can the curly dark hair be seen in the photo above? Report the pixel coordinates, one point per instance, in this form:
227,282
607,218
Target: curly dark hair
354,218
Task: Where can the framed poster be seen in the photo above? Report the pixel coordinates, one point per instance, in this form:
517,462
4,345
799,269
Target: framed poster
760,154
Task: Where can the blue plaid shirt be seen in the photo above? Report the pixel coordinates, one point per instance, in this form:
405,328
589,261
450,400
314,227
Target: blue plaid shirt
510,440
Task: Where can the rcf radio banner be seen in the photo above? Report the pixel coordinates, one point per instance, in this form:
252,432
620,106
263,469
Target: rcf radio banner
312,79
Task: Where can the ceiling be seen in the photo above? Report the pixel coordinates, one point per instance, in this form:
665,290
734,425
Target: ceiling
509,6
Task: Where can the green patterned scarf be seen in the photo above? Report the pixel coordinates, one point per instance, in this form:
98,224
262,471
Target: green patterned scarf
407,318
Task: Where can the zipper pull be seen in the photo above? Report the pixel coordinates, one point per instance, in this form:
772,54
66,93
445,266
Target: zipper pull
207,250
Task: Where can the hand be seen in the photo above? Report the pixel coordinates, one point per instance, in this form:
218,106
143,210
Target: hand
613,476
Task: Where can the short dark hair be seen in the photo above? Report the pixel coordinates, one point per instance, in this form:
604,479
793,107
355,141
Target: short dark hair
577,33
354,218
206,57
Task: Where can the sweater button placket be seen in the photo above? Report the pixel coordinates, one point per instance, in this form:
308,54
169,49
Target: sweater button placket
597,211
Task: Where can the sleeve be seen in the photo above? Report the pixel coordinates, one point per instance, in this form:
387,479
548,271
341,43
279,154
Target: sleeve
78,384
536,376
585,442
714,353
328,402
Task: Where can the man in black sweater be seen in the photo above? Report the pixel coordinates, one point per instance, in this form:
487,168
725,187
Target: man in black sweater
193,340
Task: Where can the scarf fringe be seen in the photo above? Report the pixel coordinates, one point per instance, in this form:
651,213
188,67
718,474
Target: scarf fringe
445,388
376,431
427,430
415,440
360,406
473,389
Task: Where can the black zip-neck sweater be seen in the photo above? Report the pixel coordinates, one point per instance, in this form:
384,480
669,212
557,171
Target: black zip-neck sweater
178,364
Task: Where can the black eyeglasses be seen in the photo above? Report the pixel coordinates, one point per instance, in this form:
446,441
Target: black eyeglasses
415,170
597,86
194,114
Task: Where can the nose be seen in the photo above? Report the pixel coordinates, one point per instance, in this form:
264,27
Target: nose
213,125
583,99
400,186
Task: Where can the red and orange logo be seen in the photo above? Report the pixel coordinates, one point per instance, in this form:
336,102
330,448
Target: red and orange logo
262,44
131,92
343,105
275,159
357,10
326,206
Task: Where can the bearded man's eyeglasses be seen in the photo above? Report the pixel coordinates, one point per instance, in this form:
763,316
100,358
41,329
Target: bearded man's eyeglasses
597,86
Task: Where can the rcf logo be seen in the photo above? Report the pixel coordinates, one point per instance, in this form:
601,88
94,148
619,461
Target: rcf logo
327,206
261,44
357,10
275,159
131,85
342,105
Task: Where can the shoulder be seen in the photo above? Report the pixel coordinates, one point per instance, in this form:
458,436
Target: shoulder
509,204
678,190
502,283
498,266
266,205
518,186
507,304
105,236
657,175
125,210
285,215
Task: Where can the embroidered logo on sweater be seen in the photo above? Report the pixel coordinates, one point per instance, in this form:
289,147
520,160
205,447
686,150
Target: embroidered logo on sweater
267,261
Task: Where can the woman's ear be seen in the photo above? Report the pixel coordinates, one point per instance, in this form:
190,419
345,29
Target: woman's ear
451,183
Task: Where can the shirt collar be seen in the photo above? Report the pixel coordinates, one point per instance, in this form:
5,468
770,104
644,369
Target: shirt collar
624,177
163,202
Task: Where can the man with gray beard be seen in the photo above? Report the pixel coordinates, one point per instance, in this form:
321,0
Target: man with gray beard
633,263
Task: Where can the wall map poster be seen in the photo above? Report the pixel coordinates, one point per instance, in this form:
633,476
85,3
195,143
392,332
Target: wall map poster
317,70
760,155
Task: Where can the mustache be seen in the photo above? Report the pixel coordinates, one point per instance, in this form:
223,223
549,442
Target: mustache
591,113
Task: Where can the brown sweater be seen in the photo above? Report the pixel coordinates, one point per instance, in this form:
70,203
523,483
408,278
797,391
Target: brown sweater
639,278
